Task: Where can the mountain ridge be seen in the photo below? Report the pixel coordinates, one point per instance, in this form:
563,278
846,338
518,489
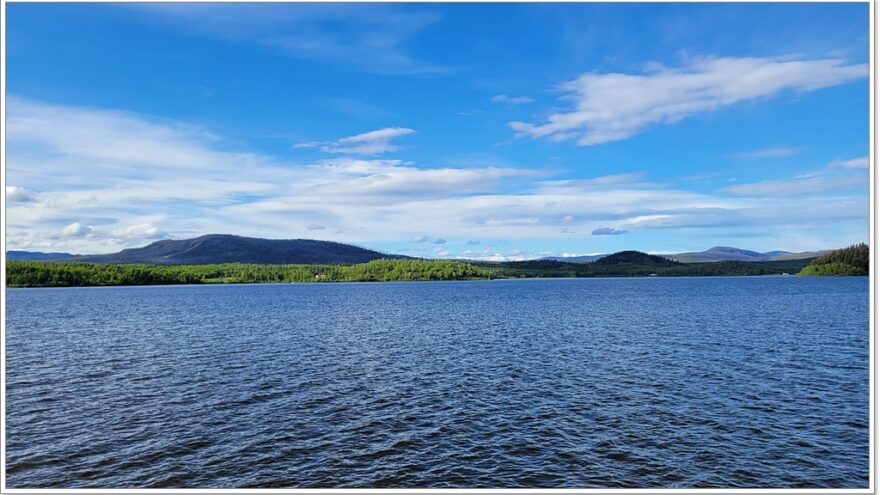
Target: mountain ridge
36,256
225,248
716,253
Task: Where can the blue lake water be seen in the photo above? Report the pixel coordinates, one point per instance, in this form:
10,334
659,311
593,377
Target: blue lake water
633,382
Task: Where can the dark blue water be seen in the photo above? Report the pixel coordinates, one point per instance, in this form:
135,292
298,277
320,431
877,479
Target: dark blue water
650,382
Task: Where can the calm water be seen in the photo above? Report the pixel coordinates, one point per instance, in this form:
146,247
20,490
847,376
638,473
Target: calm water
652,382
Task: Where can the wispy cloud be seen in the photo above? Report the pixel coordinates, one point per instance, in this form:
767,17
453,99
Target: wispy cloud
117,179
607,231
775,152
797,186
511,100
139,231
369,143
855,163
366,38
615,106
838,175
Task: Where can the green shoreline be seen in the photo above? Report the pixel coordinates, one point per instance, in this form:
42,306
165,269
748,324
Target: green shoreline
853,260
75,274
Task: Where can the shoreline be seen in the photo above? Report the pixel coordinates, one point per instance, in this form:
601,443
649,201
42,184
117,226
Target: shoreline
496,279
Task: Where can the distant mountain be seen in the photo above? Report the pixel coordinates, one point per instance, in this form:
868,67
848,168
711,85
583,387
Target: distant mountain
218,248
36,256
724,253
776,254
800,256
719,253
634,258
575,259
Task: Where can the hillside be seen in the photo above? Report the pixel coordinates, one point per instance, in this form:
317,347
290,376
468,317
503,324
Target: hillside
801,256
218,248
575,259
635,258
852,260
719,253
637,264
36,256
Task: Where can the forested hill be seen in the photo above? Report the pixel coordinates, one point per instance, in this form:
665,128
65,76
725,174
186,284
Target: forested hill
218,248
852,260
635,258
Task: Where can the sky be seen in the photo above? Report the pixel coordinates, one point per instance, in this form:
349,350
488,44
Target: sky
481,131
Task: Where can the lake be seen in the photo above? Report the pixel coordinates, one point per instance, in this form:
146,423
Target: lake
630,382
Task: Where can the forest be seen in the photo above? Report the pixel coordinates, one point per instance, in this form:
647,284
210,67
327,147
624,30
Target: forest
627,264
74,274
852,260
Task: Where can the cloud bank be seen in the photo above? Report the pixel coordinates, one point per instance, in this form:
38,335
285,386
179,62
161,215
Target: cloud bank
94,180
610,107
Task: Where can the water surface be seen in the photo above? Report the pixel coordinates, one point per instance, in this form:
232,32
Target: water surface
648,382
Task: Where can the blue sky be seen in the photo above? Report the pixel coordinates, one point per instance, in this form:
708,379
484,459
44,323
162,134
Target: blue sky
439,130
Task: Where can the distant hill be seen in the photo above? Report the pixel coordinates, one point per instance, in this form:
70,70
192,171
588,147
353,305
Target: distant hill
724,253
801,256
36,256
575,259
777,254
218,248
635,258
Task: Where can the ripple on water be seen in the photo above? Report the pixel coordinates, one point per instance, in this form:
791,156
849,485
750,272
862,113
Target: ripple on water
676,383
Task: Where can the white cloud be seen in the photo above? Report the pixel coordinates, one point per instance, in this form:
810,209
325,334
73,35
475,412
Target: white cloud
120,197
139,231
16,194
511,100
439,241
315,226
489,254
306,145
77,229
369,143
855,163
614,106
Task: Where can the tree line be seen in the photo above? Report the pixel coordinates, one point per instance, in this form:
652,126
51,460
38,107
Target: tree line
77,274
852,260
